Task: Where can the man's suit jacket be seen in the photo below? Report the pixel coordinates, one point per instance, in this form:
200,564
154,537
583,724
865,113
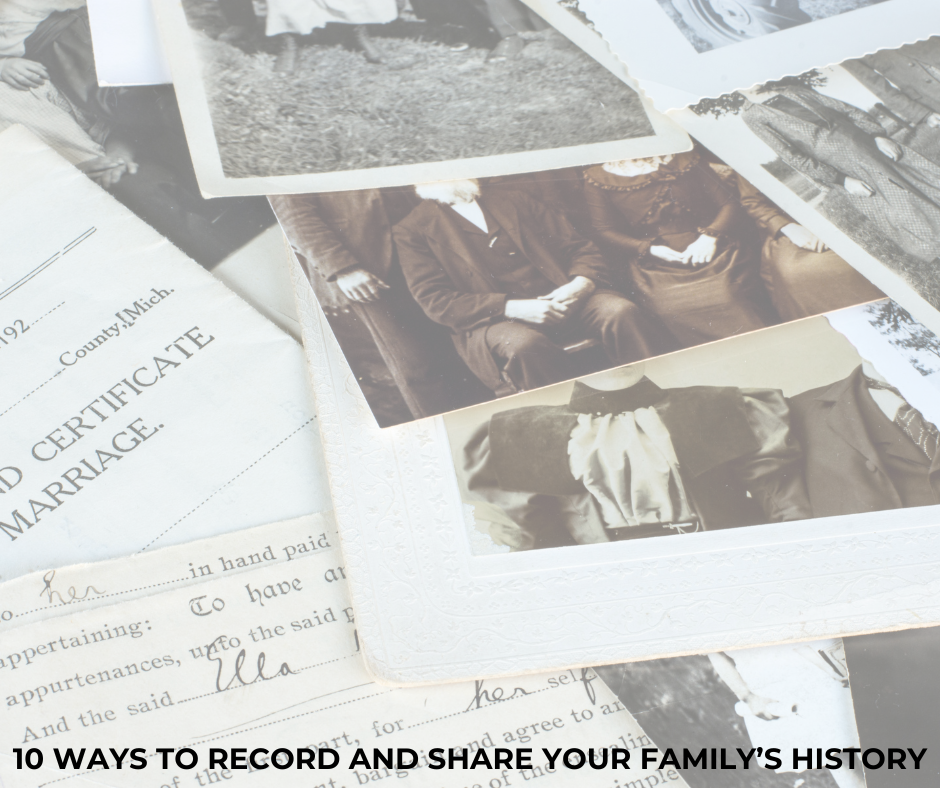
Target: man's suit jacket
843,471
337,231
826,144
457,290
905,79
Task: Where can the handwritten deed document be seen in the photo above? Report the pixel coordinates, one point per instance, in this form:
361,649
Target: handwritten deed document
142,403
259,650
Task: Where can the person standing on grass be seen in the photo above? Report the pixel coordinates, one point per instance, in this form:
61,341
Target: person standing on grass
288,20
845,150
508,18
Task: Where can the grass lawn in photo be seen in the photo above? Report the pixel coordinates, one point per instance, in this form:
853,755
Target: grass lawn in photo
430,102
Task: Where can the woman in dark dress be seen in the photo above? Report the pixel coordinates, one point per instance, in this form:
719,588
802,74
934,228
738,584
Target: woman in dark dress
685,248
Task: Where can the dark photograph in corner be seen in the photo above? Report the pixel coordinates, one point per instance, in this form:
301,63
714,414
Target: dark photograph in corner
793,696
895,686
446,295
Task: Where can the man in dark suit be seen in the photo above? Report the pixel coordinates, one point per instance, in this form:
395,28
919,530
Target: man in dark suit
866,448
515,284
907,80
632,460
344,242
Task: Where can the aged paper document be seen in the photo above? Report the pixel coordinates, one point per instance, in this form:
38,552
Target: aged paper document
143,403
64,591
267,657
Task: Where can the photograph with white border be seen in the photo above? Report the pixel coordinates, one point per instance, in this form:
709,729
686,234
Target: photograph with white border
306,100
853,153
412,543
450,294
692,443
681,51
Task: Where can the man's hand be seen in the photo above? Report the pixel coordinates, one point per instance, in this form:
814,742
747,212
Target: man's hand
803,238
701,250
360,286
22,74
106,170
536,312
889,148
760,707
570,294
933,120
858,188
668,254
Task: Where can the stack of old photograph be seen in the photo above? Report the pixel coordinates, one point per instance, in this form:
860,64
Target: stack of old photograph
569,361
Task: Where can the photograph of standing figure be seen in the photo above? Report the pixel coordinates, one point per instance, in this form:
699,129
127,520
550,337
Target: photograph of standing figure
835,144
289,21
449,294
854,151
309,96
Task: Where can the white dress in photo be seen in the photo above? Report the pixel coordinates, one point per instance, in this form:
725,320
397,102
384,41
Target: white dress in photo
809,687
304,16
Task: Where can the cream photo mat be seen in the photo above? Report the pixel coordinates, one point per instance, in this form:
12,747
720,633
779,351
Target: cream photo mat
430,611
180,48
673,74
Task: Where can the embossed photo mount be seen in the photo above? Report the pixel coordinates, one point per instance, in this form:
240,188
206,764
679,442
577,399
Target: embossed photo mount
430,611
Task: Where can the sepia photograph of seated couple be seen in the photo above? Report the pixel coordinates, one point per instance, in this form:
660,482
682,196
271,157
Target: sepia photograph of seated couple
446,295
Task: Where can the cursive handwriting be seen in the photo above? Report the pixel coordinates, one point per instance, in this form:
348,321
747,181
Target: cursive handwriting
237,679
587,676
51,594
485,696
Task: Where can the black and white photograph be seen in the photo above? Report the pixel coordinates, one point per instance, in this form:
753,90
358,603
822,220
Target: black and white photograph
708,24
859,145
789,697
681,51
295,96
445,295
700,441
129,140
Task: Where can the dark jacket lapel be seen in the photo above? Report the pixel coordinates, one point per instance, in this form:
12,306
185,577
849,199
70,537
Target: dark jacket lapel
845,418
447,239
506,213
818,110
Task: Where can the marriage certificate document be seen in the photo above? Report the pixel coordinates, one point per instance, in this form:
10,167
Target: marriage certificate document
142,404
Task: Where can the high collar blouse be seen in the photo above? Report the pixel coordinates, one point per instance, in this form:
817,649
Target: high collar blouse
681,198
